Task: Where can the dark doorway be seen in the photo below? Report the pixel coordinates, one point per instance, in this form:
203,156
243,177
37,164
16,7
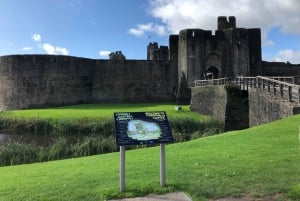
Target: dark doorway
212,73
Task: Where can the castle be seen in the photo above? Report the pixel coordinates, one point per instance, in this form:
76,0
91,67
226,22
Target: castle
28,81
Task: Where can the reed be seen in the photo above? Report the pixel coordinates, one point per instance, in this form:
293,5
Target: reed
93,138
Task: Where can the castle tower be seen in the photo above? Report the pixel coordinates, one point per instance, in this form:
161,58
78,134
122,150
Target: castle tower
173,56
192,48
152,50
157,53
230,52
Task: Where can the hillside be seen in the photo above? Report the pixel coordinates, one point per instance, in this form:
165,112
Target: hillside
259,161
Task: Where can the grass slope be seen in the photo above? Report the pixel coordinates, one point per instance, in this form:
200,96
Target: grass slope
259,161
98,111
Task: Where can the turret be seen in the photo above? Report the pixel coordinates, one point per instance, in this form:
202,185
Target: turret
223,23
157,53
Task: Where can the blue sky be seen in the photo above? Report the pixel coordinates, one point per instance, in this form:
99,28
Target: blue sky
93,28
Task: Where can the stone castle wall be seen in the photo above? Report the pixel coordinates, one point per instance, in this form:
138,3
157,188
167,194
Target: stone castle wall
228,105
210,101
132,81
280,69
28,81
265,108
238,109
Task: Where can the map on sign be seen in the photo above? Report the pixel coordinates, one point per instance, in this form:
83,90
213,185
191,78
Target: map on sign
142,128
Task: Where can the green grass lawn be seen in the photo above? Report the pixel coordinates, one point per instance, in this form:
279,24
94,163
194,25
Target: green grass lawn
259,161
97,111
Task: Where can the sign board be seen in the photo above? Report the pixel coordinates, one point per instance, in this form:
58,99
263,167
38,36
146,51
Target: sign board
133,128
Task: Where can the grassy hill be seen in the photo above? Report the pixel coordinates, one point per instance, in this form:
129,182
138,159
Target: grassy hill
259,161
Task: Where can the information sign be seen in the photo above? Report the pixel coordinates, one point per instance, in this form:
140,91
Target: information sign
133,128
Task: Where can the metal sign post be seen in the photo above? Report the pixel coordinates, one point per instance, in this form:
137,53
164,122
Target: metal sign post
162,165
122,169
137,128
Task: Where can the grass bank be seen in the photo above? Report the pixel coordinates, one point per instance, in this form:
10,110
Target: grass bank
259,161
99,111
89,118
93,123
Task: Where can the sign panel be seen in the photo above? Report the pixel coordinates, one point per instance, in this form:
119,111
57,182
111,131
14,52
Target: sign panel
133,128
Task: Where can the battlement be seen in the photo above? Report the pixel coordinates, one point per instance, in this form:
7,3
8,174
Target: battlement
223,23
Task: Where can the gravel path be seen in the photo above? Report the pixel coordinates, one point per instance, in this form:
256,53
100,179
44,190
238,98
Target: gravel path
178,196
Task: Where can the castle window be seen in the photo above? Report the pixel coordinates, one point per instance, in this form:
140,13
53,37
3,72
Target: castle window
193,34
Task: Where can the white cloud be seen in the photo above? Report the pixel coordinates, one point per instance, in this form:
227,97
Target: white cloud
136,32
37,37
265,14
288,55
142,29
27,48
104,53
62,50
50,49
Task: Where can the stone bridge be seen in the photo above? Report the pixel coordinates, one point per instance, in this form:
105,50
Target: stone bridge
246,101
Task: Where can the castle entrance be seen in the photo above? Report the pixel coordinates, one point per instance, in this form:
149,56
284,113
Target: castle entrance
212,73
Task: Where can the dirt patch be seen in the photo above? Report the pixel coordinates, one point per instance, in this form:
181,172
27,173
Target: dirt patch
277,197
178,196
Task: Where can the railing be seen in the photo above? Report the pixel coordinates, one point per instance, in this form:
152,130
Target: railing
221,81
283,79
284,90
282,87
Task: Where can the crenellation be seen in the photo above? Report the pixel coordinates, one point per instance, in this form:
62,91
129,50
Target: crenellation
223,23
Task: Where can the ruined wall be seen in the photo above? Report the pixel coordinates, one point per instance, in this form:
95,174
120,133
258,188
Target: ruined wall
265,108
227,104
28,81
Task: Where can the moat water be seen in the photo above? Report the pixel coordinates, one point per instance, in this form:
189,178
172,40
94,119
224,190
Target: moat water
40,140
